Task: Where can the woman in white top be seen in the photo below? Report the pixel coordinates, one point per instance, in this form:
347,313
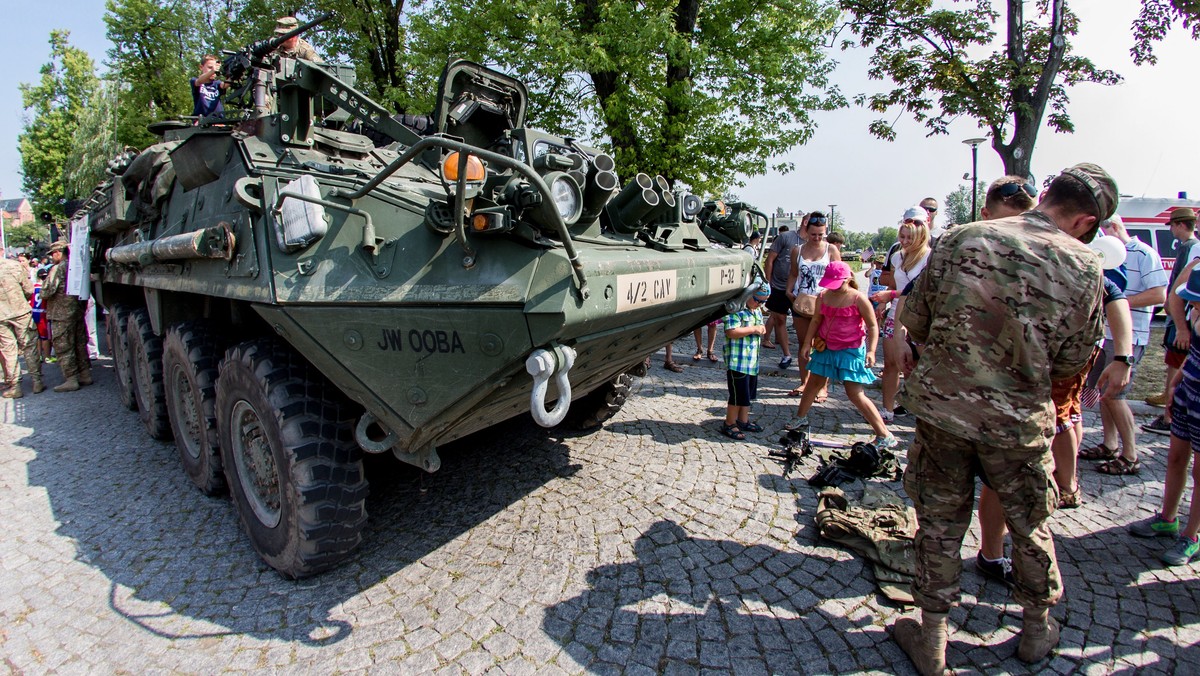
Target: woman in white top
907,263
808,266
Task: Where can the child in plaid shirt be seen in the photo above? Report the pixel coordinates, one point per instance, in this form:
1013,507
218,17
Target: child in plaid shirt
743,332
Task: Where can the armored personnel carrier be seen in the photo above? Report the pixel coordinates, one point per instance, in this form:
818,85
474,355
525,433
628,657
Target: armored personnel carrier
312,280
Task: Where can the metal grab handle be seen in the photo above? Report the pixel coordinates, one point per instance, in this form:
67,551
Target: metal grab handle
540,365
547,206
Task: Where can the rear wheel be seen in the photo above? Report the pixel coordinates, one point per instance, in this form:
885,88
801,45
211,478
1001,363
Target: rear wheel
145,358
293,468
190,359
118,345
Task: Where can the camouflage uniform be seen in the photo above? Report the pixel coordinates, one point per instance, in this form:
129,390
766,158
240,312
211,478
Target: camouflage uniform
1003,308
302,50
17,332
67,330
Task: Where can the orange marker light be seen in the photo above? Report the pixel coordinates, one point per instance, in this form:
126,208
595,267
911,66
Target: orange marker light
475,170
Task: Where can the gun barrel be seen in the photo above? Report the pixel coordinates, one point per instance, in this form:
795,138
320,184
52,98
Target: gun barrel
265,47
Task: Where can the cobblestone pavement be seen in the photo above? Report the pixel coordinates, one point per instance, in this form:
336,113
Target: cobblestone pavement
654,545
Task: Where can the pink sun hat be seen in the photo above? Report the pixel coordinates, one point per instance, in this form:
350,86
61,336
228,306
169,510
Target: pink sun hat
835,273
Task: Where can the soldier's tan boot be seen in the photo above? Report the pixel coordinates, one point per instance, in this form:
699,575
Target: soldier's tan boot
1039,635
70,385
13,391
85,377
38,385
925,643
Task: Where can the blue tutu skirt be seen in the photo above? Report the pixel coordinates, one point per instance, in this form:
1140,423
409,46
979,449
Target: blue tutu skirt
848,365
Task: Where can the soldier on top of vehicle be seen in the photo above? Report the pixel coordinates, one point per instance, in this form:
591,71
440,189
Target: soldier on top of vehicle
294,47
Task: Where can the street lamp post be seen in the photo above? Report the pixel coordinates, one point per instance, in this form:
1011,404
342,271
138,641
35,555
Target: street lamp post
974,143
831,212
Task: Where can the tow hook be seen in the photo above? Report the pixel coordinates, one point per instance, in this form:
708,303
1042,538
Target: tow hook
541,364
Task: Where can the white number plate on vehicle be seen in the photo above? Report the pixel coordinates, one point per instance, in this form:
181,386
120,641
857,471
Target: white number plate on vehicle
645,289
722,279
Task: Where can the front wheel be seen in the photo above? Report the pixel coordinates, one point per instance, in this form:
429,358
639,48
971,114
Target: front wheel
290,459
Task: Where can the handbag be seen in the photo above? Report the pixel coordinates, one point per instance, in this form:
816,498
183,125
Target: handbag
805,304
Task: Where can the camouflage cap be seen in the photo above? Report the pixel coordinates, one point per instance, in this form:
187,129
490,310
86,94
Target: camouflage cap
1100,184
60,245
286,24
1182,214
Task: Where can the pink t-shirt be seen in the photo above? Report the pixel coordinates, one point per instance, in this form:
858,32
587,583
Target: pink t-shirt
843,328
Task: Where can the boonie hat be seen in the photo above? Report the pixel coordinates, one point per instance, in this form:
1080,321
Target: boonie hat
286,24
835,273
1190,291
917,213
1182,214
60,245
1100,184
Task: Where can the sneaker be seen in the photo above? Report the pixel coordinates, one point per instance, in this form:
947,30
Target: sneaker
797,423
1159,426
888,416
1155,526
1184,550
1159,400
886,443
900,411
1000,570
785,362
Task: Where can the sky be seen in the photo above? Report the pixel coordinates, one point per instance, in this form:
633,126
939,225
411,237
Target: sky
1143,131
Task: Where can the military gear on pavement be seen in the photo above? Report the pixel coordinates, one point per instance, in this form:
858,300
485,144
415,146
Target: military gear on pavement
881,530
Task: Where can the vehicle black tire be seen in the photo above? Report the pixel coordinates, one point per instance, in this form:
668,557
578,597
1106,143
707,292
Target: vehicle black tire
291,462
145,360
190,358
118,346
592,409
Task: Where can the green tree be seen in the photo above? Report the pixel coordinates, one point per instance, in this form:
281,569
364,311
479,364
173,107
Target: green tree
694,90
885,237
26,234
1155,19
93,144
958,203
52,109
925,50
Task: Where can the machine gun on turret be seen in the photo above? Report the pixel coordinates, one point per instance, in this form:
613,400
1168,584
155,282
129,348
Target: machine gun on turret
238,63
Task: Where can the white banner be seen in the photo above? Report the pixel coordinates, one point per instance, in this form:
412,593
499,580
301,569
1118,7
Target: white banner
79,263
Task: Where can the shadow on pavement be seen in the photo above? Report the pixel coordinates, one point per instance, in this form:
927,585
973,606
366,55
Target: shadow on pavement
178,563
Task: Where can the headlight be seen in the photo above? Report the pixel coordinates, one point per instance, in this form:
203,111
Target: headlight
567,196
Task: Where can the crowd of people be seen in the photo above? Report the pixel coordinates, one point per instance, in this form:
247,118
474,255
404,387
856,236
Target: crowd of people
1000,331
41,322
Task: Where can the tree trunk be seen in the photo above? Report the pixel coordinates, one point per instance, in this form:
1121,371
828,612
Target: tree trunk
678,88
627,149
1028,107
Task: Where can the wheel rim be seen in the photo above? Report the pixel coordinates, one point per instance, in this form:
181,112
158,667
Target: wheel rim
179,389
256,469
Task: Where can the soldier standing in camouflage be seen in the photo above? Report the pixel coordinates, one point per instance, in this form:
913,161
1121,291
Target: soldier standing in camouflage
1004,307
294,47
17,333
65,313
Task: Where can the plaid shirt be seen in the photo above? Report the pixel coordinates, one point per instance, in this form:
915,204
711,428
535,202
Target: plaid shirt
741,354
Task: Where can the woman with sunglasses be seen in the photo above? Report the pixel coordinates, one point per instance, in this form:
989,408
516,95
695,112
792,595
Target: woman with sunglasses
907,263
809,260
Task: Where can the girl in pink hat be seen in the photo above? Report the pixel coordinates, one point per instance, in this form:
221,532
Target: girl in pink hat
840,344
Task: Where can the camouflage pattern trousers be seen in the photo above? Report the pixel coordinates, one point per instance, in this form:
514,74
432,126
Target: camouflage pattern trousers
18,335
70,345
940,479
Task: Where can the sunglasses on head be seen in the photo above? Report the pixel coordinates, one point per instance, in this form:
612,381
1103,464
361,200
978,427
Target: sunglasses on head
1009,189
913,221
817,220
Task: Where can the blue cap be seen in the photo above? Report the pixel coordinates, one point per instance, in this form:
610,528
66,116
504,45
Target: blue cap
1191,292
763,292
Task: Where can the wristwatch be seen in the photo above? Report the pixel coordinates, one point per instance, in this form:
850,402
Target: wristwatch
1127,358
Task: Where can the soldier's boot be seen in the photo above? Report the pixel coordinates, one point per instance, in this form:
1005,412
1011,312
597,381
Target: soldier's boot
70,385
13,391
38,385
85,377
1039,635
925,643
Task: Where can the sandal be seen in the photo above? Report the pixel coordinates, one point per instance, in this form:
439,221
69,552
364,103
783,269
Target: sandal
1070,499
1099,452
712,357
748,426
672,366
796,392
1119,466
767,345
822,397
733,432
698,356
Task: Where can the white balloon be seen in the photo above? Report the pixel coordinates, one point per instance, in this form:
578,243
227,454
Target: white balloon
1112,249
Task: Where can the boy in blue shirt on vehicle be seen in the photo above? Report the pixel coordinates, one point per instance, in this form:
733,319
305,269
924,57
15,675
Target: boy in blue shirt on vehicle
744,330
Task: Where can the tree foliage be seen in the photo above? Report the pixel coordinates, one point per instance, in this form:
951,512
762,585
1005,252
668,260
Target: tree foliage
925,50
1155,19
958,203
93,143
53,107
885,237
